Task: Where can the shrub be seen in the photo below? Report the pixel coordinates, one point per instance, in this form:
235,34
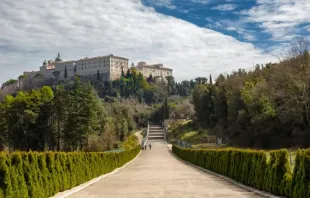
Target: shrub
251,167
301,176
131,142
32,174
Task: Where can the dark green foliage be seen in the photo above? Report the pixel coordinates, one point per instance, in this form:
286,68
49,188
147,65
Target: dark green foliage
45,174
258,108
301,177
9,82
251,168
66,73
123,74
98,76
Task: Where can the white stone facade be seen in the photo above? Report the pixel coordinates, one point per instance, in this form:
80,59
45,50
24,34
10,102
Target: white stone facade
109,65
156,70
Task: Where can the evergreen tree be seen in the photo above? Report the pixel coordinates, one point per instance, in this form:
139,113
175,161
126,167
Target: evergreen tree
128,75
165,110
98,76
123,74
81,115
60,108
150,79
66,73
210,80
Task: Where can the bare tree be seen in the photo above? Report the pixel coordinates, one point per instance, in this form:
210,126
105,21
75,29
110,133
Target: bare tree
299,46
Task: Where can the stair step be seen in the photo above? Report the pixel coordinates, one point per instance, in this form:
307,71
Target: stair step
156,138
154,133
157,135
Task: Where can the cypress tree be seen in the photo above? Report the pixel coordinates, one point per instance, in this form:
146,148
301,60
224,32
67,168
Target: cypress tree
165,110
123,74
128,75
98,75
211,83
150,79
66,73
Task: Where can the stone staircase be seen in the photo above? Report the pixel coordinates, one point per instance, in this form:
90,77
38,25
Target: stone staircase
156,133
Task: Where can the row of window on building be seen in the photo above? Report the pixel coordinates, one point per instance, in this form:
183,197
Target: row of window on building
100,62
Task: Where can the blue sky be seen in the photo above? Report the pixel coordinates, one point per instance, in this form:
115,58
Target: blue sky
193,37
233,17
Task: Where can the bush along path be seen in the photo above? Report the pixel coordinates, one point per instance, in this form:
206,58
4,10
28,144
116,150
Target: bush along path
32,174
253,168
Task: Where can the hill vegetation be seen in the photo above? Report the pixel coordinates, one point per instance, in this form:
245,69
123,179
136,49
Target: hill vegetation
71,116
61,120
268,107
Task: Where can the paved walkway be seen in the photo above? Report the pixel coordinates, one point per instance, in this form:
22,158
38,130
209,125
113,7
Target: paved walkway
158,174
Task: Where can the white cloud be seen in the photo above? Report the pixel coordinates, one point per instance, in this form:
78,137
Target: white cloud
246,34
230,25
35,30
200,1
225,7
162,3
280,18
307,28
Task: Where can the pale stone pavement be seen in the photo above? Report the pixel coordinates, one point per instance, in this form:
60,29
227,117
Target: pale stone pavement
157,173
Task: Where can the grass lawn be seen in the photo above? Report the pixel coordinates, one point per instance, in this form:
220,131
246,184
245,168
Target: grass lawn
187,132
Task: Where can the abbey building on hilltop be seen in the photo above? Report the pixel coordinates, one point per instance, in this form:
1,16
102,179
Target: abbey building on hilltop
109,67
156,70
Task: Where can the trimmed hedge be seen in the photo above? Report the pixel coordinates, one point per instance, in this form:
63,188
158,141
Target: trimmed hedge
253,168
301,175
131,142
33,174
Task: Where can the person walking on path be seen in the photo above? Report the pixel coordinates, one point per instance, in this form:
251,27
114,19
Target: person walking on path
150,146
145,147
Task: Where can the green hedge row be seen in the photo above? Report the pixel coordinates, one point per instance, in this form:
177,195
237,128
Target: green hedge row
131,142
253,168
32,174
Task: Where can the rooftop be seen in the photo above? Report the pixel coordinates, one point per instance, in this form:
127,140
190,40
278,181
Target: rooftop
160,66
111,55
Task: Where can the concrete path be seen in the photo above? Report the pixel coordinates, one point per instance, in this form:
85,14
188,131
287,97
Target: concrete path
158,174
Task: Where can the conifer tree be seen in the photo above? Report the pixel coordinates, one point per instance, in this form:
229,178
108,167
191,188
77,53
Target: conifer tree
66,73
98,76
123,74
210,80
128,75
150,79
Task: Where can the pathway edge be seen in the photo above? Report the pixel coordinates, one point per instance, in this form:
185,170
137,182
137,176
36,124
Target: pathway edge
256,191
66,193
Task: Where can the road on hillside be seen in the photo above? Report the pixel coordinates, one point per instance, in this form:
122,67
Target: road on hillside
158,174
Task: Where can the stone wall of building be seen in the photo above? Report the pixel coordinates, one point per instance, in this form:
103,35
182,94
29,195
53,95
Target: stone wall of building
156,70
108,66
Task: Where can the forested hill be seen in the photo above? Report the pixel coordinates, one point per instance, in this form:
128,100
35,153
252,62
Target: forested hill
268,107
71,116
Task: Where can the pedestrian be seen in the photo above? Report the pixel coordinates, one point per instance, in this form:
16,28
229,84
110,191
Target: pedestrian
145,147
150,146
